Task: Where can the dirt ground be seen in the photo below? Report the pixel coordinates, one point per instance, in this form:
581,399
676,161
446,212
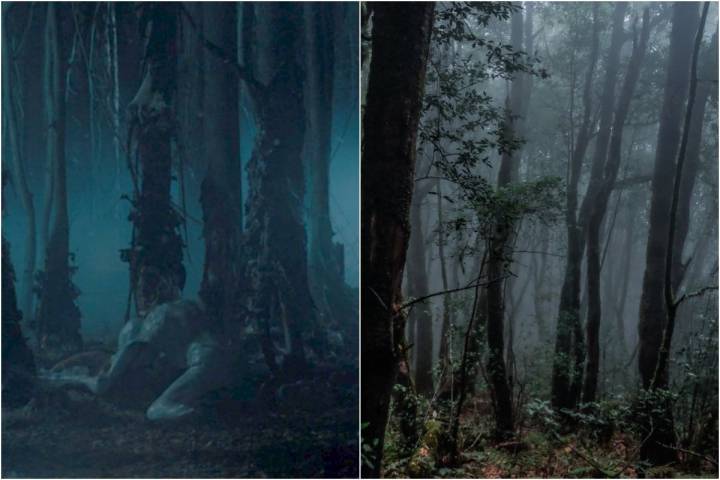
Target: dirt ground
70,434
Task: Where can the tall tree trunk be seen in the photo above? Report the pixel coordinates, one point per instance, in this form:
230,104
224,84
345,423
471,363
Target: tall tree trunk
569,346
156,255
706,75
325,264
191,93
418,287
446,315
114,76
628,242
540,287
58,318
500,250
18,364
653,309
221,189
12,92
280,301
603,179
94,124
400,45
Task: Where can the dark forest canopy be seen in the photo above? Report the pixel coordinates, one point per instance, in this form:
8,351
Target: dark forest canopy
555,267
180,200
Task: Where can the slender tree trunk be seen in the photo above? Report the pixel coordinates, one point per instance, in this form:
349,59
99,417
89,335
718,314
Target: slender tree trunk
539,287
653,308
324,264
58,318
624,284
94,124
221,189
18,364
12,91
601,188
191,93
706,75
446,315
500,251
400,45
113,73
418,287
569,345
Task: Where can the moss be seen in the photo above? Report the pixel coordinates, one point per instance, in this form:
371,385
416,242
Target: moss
423,461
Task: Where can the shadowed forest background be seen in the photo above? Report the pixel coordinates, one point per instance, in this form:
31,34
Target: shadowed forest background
539,239
180,261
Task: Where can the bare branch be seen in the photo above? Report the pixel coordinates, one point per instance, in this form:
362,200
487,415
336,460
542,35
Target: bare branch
452,290
697,293
219,52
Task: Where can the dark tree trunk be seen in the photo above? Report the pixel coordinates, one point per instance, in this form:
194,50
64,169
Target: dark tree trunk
156,268
18,365
280,301
420,314
500,250
191,95
13,120
446,315
653,308
569,346
705,86
58,318
626,265
400,45
603,179
221,189
324,264
540,295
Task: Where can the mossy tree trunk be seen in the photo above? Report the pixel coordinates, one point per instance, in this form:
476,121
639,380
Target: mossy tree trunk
156,267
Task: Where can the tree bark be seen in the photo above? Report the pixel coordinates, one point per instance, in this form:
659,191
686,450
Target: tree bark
221,194
114,75
18,364
324,264
653,308
601,184
418,287
500,250
58,318
12,91
400,45
569,345
706,75
280,301
155,258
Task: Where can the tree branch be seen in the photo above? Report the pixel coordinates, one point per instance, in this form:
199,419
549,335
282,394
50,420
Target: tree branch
452,290
219,52
697,293
631,181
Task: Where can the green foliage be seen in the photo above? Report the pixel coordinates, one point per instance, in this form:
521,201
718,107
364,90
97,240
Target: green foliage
367,448
542,413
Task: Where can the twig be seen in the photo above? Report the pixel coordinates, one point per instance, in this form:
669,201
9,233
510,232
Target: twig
588,459
452,290
219,52
690,452
698,293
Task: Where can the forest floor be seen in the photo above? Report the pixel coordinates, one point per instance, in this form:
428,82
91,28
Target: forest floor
71,434
537,452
